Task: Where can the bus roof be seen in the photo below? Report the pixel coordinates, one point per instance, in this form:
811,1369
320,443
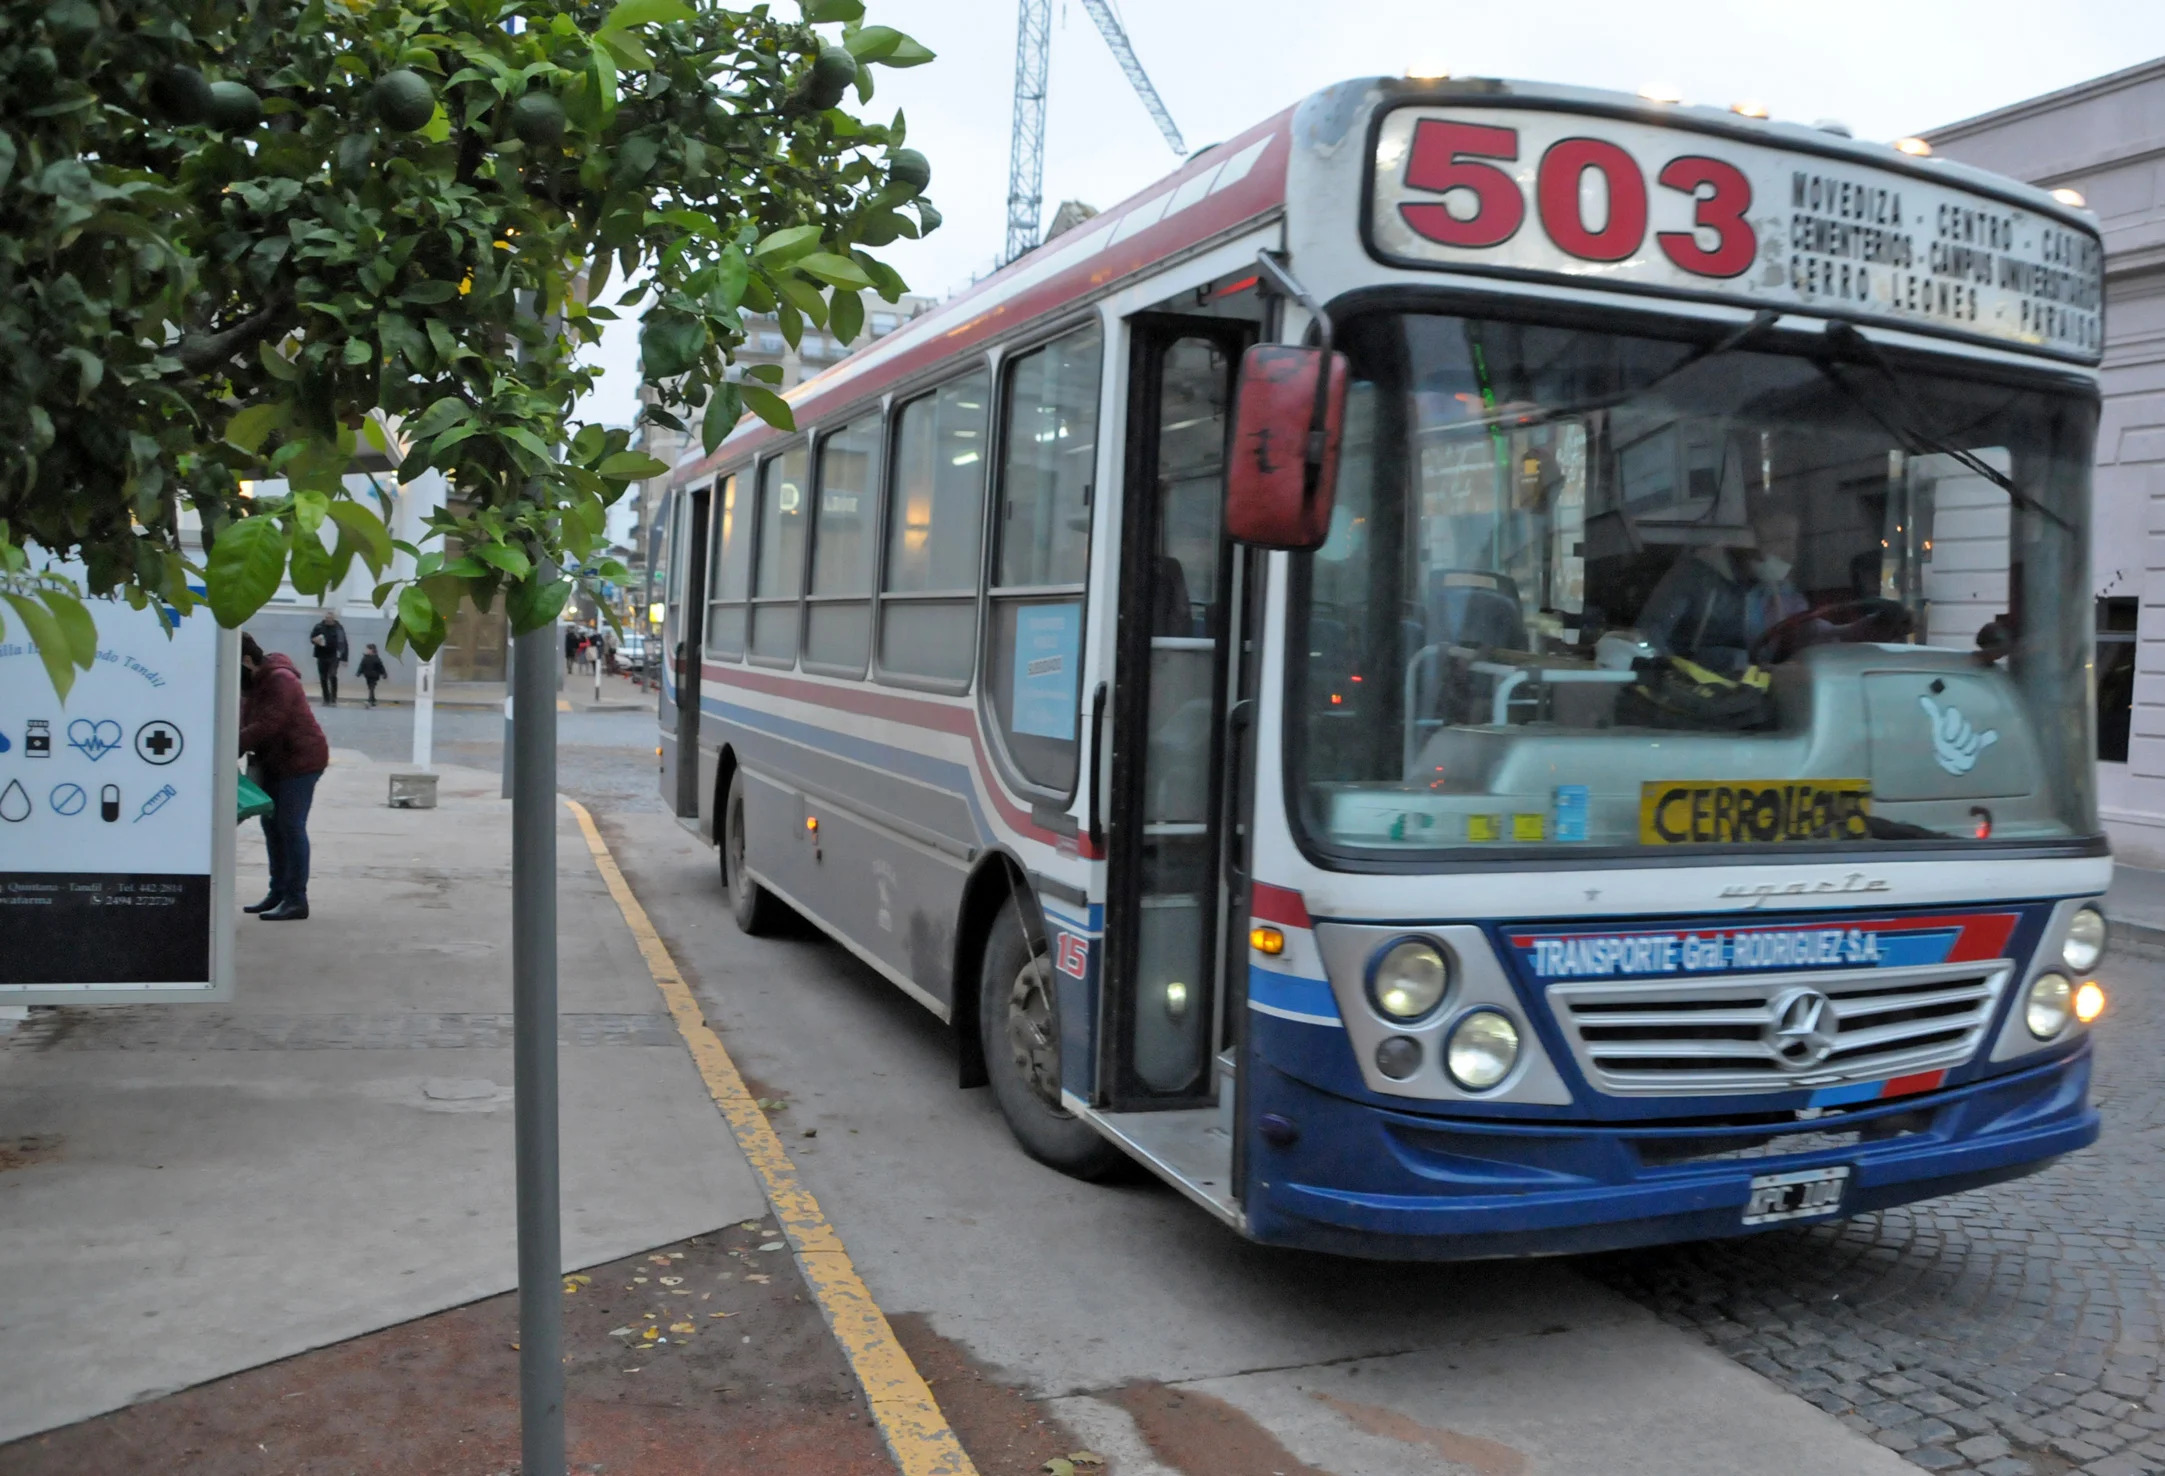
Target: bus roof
1242,182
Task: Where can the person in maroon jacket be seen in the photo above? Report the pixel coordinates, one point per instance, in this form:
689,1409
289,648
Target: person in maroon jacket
290,751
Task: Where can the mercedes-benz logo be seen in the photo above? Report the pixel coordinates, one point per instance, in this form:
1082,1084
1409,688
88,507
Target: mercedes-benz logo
1802,1028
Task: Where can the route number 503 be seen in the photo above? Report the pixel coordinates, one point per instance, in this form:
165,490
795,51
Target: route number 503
1448,157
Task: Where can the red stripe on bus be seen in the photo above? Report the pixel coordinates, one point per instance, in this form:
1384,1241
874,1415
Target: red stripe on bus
1280,905
917,712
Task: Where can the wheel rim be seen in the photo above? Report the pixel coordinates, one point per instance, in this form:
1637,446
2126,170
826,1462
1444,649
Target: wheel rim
1032,1032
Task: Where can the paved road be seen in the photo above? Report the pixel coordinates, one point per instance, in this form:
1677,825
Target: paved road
604,759
2011,1331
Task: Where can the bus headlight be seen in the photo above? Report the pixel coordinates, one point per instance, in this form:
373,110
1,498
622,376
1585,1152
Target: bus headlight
2085,943
1483,1048
1409,979
2050,1005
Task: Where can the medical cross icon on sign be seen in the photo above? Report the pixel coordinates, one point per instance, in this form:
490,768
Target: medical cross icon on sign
157,742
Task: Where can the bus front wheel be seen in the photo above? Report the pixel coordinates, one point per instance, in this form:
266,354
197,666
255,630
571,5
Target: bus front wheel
1019,1025
758,911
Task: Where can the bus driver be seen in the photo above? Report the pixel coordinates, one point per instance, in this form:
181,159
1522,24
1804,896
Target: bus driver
1718,599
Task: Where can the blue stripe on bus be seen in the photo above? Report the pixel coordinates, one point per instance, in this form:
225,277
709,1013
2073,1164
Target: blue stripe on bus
940,773
1290,996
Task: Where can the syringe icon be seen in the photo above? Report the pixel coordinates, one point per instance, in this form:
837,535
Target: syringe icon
155,803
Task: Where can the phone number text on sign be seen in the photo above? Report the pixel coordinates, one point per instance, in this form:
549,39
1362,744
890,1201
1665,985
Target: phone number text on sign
1638,205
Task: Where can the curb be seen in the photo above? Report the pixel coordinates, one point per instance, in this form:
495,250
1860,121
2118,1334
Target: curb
916,1432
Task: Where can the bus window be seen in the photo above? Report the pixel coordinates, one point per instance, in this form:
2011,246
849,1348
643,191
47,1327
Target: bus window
778,571
1047,461
838,622
729,576
935,517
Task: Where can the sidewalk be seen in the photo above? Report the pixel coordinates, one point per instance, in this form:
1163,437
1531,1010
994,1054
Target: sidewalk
2135,906
187,1191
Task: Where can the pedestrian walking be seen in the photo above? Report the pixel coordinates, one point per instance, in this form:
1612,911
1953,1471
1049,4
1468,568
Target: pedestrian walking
288,754
328,637
371,670
571,650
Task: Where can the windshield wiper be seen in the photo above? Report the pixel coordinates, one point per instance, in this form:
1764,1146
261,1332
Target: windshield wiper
1759,323
1911,433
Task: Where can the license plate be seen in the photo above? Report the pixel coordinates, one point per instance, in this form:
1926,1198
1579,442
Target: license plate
1794,1196
1677,812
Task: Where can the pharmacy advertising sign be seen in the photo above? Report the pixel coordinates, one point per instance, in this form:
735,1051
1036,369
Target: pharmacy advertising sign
116,815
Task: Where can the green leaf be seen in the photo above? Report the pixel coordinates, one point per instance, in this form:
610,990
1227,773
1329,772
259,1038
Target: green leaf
244,567
311,568
732,273
768,406
512,561
309,509
629,13
786,245
632,466
276,364
532,604
253,426
418,615
907,53
51,639
835,271
444,592
764,373
670,342
845,316
724,408
874,43
821,12
75,624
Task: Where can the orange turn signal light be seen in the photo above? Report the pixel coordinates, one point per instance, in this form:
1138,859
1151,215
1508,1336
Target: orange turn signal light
1266,940
2089,1002
811,823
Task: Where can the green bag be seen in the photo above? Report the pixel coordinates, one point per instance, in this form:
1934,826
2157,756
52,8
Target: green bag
253,801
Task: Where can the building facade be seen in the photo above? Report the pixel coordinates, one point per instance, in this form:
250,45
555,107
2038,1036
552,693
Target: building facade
2106,139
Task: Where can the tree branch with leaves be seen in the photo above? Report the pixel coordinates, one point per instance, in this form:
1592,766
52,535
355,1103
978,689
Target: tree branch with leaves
240,241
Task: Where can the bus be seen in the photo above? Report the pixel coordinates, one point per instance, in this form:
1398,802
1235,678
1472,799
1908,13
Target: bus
1485,669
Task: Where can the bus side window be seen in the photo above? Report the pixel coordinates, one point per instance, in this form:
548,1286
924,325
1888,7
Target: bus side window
1047,462
838,615
778,563
729,575
935,521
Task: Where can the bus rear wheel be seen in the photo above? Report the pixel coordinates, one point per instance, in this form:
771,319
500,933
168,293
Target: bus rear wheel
757,910
1018,1018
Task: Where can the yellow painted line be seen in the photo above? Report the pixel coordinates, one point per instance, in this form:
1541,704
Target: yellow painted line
909,1417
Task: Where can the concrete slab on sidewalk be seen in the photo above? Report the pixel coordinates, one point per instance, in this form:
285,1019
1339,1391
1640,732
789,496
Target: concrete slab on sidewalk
219,1186
2135,904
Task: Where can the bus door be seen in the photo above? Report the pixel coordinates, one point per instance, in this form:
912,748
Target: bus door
683,634
1164,1012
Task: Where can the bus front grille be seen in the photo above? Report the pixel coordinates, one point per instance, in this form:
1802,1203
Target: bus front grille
1776,1032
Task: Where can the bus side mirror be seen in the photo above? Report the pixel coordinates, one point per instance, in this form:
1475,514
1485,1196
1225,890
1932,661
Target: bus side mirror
1289,411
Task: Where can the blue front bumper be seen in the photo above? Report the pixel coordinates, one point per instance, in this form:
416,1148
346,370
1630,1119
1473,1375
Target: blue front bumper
1364,1181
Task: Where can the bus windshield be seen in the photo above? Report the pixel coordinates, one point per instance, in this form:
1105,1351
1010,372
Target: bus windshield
1585,589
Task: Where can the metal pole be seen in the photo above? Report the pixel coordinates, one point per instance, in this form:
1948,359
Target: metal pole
510,748
533,1052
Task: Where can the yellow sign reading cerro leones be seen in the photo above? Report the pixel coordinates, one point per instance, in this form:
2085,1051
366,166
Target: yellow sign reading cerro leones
1678,812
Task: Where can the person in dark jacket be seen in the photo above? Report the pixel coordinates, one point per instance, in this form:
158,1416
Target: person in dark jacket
371,670
290,753
328,638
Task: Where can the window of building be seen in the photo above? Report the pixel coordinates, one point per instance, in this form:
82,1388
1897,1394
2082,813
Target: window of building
770,342
1047,469
838,616
935,517
729,575
778,569
882,323
2116,620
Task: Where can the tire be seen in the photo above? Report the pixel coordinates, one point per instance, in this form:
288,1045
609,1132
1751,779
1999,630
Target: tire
1018,1023
758,911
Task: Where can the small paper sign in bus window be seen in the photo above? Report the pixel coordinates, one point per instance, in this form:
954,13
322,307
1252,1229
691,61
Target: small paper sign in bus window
1677,812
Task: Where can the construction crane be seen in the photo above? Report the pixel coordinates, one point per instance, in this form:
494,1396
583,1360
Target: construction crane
1026,154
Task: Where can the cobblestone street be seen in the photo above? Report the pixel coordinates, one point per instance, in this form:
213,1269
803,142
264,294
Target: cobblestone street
2010,1331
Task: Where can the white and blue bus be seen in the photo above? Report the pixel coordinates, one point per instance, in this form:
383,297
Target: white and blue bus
1485,669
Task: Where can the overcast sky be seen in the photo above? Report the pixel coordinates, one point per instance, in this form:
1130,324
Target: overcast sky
1886,69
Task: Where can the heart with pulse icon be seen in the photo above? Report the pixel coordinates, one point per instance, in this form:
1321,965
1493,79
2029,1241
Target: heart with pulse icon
94,740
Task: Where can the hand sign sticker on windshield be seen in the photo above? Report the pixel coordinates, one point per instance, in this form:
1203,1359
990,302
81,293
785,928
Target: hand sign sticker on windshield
1956,743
